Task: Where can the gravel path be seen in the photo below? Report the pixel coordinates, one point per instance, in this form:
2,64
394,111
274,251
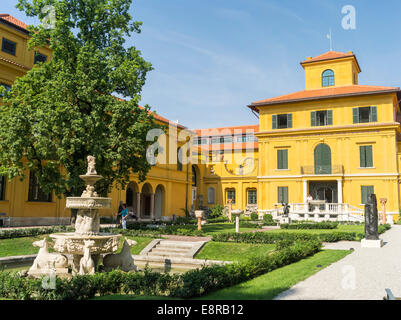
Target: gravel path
362,275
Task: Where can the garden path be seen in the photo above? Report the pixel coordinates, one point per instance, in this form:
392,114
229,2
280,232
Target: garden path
362,275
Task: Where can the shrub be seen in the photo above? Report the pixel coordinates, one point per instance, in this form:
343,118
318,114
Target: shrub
254,216
217,220
268,220
30,232
216,211
310,225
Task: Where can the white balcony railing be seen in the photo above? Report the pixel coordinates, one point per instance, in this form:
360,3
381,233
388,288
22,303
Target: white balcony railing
320,212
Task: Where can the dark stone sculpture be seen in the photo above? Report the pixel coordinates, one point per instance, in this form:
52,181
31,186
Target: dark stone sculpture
286,209
371,219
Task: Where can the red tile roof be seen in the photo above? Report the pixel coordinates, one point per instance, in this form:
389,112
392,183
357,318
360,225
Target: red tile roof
14,21
329,55
326,93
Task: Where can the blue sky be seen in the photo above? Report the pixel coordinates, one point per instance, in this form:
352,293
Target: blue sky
212,58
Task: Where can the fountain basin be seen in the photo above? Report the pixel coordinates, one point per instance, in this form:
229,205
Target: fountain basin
72,243
88,203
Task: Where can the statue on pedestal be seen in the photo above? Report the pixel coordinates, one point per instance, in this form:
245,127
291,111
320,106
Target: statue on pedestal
371,219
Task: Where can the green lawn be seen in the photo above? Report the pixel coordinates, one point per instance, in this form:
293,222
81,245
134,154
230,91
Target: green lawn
23,246
265,287
269,285
228,251
341,228
19,246
215,228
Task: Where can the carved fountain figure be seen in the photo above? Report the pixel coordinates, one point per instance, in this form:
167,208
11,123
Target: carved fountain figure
87,243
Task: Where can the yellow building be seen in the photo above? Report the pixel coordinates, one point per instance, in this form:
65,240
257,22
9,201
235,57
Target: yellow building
336,140
23,203
225,166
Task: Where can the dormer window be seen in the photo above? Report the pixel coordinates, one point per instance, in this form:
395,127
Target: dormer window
328,78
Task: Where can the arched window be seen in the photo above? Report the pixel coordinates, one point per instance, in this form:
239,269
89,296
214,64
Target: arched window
179,160
328,78
322,159
210,195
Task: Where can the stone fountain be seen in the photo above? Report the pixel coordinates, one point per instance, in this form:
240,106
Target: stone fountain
87,243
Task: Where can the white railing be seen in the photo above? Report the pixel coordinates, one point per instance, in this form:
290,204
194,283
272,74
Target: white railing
319,212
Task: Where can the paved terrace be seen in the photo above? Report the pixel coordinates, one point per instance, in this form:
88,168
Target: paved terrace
362,275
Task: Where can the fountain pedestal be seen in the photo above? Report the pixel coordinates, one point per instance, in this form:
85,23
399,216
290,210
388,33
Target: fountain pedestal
87,243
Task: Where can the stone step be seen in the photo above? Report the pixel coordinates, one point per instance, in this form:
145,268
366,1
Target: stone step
163,253
164,249
175,244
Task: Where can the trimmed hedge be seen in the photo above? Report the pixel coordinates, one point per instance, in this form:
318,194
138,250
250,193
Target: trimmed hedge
310,225
273,237
190,284
30,232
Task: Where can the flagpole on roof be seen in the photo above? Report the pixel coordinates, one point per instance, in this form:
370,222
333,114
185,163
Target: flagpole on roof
329,36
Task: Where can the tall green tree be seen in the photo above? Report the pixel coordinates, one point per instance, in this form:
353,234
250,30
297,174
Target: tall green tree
65,109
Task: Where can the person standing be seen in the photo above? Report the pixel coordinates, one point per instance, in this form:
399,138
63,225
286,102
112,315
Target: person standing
124,216
309,198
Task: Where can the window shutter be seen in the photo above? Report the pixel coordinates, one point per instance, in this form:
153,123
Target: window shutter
363,195
373,114
279,159
313,118
274,118
370,190
280,195
289,120
369,156
355,115
285,195
330,117
285,159
362,155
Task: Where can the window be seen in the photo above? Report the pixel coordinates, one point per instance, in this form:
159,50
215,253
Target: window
217,155
219,140
246,138
282,195
194,177
2,187
210,195
322,118
252,196
39,57
366,191
364,115
179,162
9,47
231,195
328,78
366,156
282,121
6,86
35,192
200,141
282,159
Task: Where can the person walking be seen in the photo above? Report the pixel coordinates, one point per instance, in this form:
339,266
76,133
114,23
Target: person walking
120,209
124,216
